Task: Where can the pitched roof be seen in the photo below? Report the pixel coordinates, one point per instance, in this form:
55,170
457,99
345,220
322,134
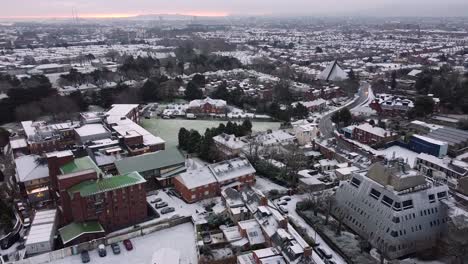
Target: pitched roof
92,187
28,169
80,164
150,161
333,72
75,230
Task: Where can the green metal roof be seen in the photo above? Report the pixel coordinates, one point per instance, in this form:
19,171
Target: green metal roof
151,161
91,187
80,164
74,230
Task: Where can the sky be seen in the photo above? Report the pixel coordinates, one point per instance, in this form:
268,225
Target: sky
124,8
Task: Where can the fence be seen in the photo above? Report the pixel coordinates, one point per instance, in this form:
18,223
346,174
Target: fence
144,229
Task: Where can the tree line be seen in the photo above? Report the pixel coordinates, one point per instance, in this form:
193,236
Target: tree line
194,143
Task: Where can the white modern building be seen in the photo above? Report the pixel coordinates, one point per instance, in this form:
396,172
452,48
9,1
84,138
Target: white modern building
41,236
394,207
306,133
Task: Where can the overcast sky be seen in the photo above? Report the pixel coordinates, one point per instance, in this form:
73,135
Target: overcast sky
86,8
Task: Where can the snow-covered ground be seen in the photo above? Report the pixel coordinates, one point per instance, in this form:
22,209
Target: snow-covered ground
310,231
180,238
196,210
266,185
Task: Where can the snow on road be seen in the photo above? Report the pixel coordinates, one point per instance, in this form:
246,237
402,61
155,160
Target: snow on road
292,214
180,238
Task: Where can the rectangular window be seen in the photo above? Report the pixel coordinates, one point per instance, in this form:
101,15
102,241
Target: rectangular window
397,206
375,194
387,201
431,198
355,182
408,204
442,195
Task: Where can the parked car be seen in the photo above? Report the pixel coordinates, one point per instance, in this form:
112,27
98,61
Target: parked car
286,198
102,250
328,261
85,256
323,253
161,205
157,200
167,210
128,244
283,209
282,203
115,248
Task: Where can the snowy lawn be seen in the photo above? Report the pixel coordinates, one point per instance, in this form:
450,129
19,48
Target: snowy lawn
265,185
180,238
168,129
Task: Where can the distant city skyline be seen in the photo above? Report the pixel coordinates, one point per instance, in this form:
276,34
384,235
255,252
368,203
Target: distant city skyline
127,8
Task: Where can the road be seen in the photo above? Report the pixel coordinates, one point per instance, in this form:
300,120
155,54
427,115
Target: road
327,127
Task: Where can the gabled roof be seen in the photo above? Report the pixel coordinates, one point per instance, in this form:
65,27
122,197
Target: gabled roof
28,169
75,230
150,161
91,187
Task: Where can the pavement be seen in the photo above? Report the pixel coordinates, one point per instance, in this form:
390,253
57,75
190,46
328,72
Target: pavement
327,127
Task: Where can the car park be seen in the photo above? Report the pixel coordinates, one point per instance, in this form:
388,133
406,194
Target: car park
85,256
102,250
128,244
167,210
161,205
115,248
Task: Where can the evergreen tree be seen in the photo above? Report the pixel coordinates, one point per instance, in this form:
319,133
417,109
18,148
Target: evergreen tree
183,138
193,142
192,92
246,127
394,82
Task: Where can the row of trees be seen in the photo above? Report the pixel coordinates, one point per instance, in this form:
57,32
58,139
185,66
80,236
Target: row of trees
192,142
450,86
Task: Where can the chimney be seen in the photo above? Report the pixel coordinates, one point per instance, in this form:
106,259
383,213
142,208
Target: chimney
283,223
54,162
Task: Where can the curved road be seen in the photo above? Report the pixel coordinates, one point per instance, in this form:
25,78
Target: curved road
327,127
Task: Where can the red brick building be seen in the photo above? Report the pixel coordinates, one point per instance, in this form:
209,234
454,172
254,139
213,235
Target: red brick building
207,106
371,135
85,194
207,182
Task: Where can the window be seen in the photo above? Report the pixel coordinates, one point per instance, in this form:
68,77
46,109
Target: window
408,204
397,206
394,233
396,219
375,194
355,182
431,198
442,195
387,201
